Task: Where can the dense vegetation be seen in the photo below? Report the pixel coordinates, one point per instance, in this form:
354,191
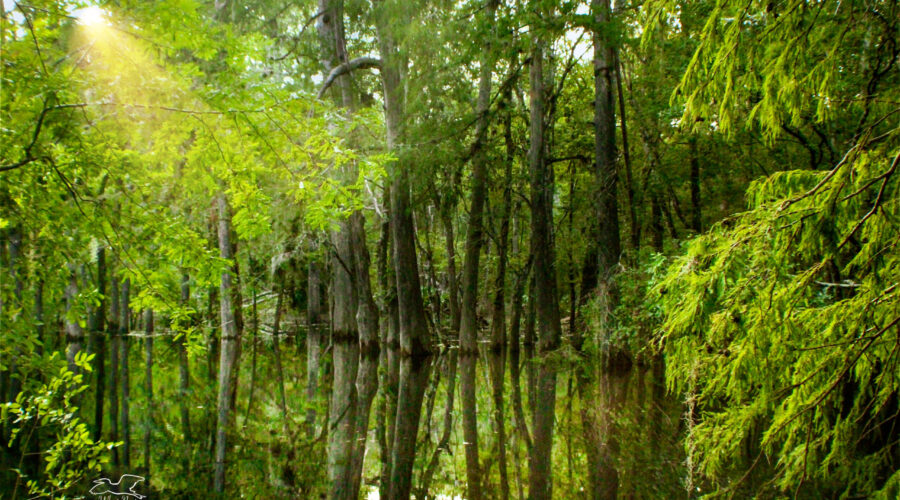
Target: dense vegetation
485,248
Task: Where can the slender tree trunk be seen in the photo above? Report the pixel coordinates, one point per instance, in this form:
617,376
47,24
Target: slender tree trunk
528,333
597,276
13,383
97,325
695,186
345,356
279,369
414,373
74,334
254,339
444,440
390,358
656,224
498,316
228,353
184,375
547,306
113,329
516,320
414,336
213,348
455,314
367,322
415,342
468,333
497,364
626,155
467,366
124,329
148,388
314,317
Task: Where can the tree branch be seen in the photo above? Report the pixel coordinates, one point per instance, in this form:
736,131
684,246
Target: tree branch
347,67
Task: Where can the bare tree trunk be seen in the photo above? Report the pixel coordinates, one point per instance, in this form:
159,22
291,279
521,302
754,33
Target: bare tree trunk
390,358
695,186
415,342
228,351
498,316
213,352
626,155
124,328
345,356
467,364
444,441
656,225
597,276
414,335
184,375
74,334
279,370
546,305
367,322
253,341
497,365
148,388
414,373
13,383
468,333
97,325
314,317
455,314
112,327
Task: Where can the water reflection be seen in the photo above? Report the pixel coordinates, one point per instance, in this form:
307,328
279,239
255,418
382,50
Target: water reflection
475,426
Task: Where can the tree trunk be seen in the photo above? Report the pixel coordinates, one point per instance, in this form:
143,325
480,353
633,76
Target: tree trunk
367,322
414,336
656,224
184,375
124,329
414,373
389,356
467,365
345,356
254,339
468,333
74,334
498,315
447,221
695,186
112,327
597,277
228,351
444,441
279,369
148,388
497,365
97,325
546,305
626,155
314,318
213,352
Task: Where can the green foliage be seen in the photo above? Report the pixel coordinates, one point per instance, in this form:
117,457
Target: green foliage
69,457
779,321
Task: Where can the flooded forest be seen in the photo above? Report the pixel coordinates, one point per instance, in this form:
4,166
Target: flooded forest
473,249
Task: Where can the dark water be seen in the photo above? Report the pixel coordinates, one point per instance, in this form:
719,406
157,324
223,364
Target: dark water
618,425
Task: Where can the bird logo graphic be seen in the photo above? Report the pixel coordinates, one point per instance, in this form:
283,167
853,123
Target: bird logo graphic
123,487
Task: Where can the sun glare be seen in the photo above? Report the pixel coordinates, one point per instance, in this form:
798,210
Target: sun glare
91,16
